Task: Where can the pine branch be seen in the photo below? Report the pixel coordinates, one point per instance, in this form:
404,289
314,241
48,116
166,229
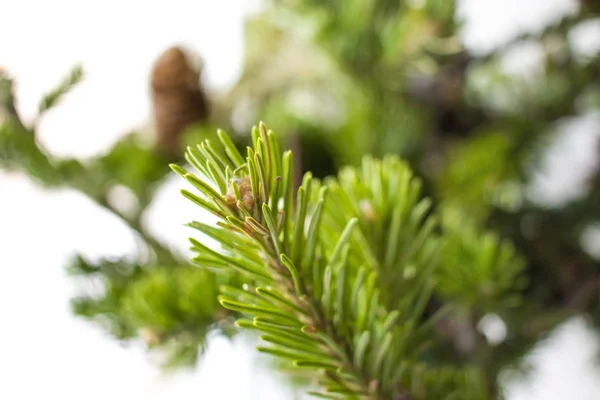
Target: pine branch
174,327
20,150
313,283
52,98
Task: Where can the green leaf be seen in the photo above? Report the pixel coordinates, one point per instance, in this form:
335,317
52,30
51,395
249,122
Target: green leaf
265,322
390,321
217,176
274,197
236,223
277,298
307,347
209,192
262,177
209,262
297,356
288,333
287,262
258,310
241,264
258,228
207,156
361,350
254,179
301,208
326,395
344,390
358,284
365,298
344,238
288,187
255,137
178,170
223,163
316,364
268,215
275,155
326,299
226,237
332,345
381,351
194,157
313,231
240,295
340,286
230,149
203,203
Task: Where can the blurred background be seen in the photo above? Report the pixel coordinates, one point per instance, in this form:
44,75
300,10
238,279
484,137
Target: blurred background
495,104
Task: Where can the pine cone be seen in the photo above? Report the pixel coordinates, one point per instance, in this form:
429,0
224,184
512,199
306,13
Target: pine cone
178,98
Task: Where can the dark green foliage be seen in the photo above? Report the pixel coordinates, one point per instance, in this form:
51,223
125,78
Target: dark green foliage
479,271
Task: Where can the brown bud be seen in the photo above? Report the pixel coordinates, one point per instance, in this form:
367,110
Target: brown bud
177,97
245,189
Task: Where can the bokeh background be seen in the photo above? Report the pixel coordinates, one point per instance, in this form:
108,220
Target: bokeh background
46,351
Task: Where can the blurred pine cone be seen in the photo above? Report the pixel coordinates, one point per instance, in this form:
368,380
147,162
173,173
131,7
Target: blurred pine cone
178,98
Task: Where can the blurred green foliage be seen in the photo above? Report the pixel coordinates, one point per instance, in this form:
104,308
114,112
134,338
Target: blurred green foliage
338,80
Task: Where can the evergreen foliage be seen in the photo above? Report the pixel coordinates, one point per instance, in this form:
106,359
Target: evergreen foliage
337,275
152,296
370,280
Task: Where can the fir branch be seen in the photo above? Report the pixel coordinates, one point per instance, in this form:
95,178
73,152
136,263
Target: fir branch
54,96
322,282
